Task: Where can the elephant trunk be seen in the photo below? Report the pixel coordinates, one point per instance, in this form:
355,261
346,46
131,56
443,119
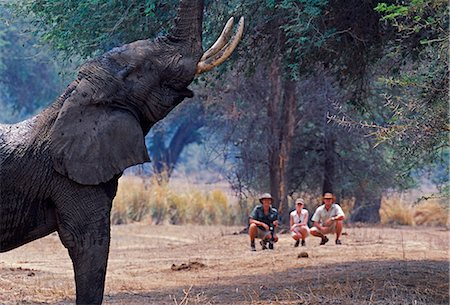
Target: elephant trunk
188,26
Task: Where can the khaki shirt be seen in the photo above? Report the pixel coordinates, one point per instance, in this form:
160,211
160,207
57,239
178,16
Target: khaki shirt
321,214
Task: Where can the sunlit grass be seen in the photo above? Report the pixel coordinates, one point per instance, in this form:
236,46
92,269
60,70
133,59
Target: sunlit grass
140,199
395,210
432,212
146,199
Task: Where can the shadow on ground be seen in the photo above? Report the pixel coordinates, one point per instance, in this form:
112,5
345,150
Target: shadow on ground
369,282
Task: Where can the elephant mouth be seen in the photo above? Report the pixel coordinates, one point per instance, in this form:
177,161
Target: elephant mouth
185,92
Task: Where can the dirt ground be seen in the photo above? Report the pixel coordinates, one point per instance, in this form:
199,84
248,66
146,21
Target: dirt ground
374,265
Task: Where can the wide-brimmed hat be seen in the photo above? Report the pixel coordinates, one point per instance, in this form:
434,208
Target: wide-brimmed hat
264,196
329,196
299,201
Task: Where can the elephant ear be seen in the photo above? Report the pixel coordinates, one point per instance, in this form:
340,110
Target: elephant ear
91,143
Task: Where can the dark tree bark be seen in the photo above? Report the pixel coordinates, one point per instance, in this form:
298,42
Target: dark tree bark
282,111
329,162
165,157
367,206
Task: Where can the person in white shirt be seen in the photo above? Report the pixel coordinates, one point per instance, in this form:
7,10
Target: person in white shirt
299,222
328,219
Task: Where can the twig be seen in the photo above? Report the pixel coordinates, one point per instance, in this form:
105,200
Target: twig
186,295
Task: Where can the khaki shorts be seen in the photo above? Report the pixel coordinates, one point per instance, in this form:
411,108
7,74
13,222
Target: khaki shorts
297,231
330,229
262,234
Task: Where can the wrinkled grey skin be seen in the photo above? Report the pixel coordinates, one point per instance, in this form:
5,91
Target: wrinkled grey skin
59,169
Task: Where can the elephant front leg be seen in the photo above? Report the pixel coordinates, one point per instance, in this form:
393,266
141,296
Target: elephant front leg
87,240
89,264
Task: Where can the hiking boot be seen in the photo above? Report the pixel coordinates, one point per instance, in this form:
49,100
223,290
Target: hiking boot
338,242
263,245
297,243
324,240
270,245
252,247
303,243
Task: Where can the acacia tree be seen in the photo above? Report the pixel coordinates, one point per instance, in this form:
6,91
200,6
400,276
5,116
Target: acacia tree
415,80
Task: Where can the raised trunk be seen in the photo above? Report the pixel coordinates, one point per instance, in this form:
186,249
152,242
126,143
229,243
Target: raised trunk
188,25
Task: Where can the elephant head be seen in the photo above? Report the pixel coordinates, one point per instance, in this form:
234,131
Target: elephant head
105,113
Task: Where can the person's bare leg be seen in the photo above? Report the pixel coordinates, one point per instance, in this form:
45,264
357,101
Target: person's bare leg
296,236
252,233
339,227
317,233
303,233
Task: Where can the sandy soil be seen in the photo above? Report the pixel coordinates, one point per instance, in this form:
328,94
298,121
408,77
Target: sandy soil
373,266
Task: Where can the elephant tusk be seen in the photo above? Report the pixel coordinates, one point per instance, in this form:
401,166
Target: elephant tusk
221,41
222,55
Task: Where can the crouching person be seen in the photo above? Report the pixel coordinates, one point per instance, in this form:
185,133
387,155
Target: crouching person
328,219
299,222
262,223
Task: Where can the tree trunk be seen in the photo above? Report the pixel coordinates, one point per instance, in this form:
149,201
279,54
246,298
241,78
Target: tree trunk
367,206
165,157
329,165
282,109
288,122
274,100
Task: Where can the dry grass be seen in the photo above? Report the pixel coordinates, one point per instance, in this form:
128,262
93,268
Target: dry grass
431,212
140,199
146,199
397,210
379,265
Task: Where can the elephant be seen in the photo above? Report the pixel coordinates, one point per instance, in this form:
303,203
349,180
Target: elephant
59,170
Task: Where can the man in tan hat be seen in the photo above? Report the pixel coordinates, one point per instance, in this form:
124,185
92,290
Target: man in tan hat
328,219
262,223
299,222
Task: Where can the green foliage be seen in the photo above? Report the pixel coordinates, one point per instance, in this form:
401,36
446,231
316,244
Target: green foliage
391,11
416,90
302,31
28,76
83,28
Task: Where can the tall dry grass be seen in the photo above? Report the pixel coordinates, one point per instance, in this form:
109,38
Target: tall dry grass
140,199
396,209
432,212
